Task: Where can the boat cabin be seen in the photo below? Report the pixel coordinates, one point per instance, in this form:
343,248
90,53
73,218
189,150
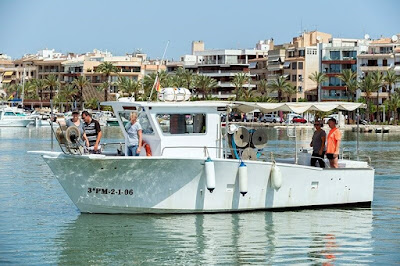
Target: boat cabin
176,129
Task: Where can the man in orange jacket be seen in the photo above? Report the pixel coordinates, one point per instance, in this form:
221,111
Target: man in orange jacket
333,143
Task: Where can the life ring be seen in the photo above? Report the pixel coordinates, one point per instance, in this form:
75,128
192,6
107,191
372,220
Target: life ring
147,148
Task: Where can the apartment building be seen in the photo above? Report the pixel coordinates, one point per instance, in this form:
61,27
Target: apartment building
380,56
337,55
222,65
302,58
5,65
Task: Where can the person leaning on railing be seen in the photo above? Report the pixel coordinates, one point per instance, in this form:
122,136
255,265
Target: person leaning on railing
318,145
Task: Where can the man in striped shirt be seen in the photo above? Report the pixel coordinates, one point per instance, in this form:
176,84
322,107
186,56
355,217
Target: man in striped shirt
93,132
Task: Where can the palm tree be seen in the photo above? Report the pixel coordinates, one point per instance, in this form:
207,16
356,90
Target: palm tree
279,85
81,82
290,90
187,77
205,84
348,76
318,78
149,81
51,82
70,92
129,86
31,91
92,103
394,104
390,79
378,79
238,81
39,85
107,68
262,87
368,86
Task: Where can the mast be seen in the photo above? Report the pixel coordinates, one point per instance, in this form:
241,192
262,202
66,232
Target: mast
158,71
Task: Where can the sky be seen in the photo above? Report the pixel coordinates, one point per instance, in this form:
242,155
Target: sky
121,27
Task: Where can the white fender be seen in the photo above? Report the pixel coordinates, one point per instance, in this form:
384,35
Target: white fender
243,180
210,174
276,176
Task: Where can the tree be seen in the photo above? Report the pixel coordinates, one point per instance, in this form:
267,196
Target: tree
70,92
378,79
349,77
205,84
238,81
368,86
290,90
107,68
394,104
150,79
92,103
39,85
129,86
81,82
31,91
279,85
51,82
262,87
391,79
318,78
187,77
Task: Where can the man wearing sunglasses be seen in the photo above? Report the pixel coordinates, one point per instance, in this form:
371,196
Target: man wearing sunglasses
318,145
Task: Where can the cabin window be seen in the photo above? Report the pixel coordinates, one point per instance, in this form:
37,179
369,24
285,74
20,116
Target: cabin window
143,120
182,123
9,114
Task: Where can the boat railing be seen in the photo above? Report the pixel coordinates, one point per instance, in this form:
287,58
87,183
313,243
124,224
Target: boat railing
205,148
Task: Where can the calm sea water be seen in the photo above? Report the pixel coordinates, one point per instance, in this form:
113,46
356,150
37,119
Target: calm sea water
40,225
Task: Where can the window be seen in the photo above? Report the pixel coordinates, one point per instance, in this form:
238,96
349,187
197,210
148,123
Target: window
300,88
182,123
334,68
301,53
335,55
300,66
294,77
294,65
143,120
300,77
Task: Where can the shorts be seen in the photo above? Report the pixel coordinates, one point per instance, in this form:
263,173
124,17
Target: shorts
331,156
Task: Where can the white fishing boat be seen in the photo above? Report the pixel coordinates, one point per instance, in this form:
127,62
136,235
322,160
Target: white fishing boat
12,117
189,165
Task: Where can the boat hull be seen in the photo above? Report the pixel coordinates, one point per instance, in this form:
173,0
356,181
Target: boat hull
16,122
99,184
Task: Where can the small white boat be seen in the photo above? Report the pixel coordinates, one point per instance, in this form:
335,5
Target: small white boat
11,117
195,167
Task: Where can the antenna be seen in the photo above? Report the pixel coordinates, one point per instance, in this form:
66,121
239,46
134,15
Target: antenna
158,70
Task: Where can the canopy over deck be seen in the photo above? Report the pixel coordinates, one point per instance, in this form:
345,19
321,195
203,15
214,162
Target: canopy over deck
298,107
250,106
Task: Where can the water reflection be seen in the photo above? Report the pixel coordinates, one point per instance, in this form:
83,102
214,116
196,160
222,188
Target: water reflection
328,236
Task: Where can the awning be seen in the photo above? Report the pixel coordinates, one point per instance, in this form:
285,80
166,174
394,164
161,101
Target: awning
286,64
253,65
298,107
8,73
274,60
6,81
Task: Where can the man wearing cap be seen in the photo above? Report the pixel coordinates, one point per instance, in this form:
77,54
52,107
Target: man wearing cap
92,131
318,145
333,143
75,121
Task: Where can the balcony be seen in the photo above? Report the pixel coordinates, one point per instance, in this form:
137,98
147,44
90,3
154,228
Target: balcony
374,68
328,97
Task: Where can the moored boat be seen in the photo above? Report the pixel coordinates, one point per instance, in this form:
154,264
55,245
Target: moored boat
195,167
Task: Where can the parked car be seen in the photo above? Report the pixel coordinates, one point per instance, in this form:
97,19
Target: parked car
271,118
299,119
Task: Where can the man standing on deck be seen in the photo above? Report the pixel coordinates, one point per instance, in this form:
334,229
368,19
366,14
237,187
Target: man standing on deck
93,132
333,143
318,145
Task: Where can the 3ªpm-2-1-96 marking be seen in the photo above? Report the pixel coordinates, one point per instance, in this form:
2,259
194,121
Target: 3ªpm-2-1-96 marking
112,191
